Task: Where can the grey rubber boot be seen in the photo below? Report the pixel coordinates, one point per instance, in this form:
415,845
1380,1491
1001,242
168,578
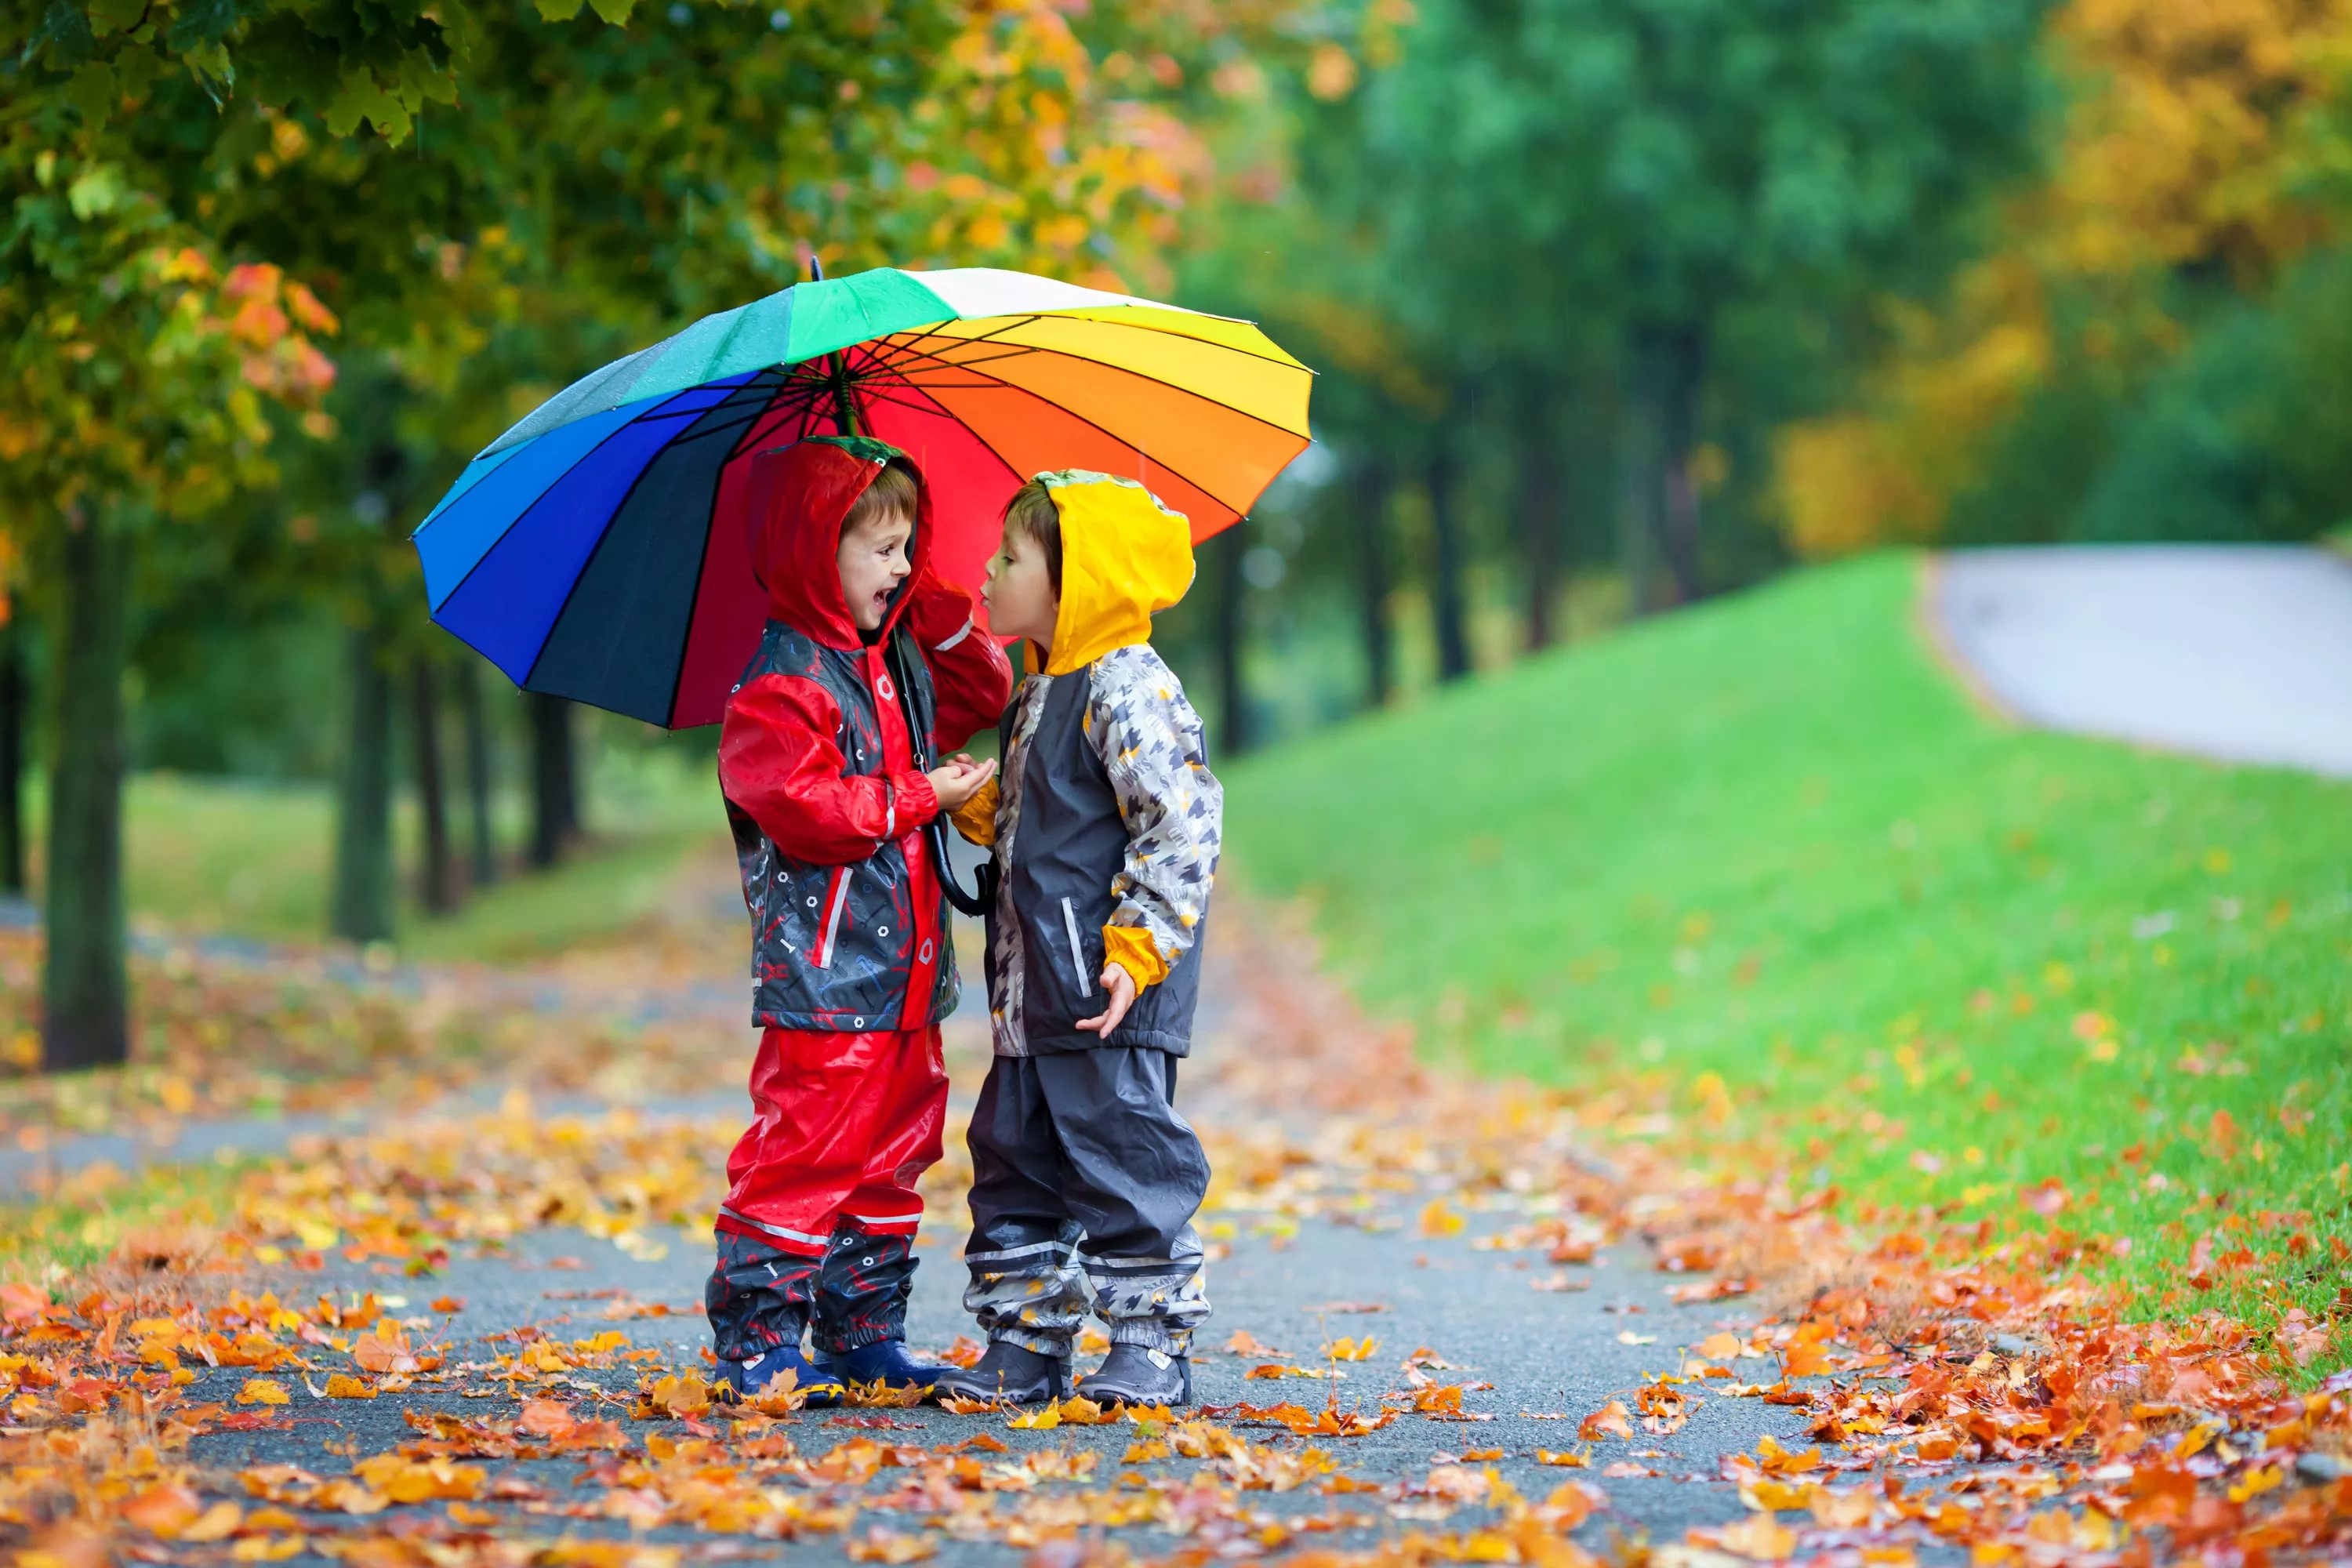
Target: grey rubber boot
1133,1374
1009,1373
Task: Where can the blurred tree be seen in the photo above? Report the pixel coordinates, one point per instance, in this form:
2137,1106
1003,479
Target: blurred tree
141,365
1373,497
1440,481
2201,155
474,721
437,880
554,779
12,726
1659,164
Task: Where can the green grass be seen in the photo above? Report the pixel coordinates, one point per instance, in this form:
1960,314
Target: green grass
253,859
88,1215
1936,957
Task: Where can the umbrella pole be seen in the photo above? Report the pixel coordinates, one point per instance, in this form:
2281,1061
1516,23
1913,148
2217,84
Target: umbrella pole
844,409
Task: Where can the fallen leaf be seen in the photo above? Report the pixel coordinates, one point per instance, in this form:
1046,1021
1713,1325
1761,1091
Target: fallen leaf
1758,1538
1611,1420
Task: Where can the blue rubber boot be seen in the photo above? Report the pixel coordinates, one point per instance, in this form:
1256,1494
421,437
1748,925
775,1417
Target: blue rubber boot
887,1361
749,1379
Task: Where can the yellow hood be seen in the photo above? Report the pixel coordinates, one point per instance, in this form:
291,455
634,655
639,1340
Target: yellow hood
1125,557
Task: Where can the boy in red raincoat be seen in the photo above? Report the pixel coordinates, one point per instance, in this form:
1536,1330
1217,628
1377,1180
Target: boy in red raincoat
868,668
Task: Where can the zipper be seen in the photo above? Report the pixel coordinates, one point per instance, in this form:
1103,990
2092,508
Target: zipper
1077,958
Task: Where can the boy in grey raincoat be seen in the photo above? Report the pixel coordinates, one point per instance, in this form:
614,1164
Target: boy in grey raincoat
1104,824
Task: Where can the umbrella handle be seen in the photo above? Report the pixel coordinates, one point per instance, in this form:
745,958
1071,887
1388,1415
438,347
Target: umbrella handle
976,904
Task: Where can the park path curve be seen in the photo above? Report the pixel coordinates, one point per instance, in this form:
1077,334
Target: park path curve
2241,653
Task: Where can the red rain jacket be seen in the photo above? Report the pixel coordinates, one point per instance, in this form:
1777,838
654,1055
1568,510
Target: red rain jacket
825,777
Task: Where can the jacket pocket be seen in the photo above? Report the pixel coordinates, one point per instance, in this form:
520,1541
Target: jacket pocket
1077,951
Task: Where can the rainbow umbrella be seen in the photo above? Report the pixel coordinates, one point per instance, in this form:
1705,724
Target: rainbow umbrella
599,550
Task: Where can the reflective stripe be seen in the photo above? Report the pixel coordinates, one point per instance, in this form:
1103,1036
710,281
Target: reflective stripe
1034,1247
788,1235
823,957
962,632
887,1219
1077,959
1163,1264
890,811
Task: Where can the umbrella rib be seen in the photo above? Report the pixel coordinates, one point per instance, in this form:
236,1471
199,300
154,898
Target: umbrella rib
1103,365
1022,321
1147,460
1144,458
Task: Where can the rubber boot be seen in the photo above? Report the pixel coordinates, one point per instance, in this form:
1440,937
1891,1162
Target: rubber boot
1008,1373
749,1379
887,1361
1133,1374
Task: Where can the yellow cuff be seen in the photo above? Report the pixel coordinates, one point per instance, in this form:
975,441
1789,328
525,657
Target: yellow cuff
976,818
1132,949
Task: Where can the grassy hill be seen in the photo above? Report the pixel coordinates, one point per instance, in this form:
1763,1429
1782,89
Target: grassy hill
1932,956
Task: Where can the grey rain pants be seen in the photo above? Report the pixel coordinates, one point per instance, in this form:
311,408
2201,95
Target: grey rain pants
1085,1182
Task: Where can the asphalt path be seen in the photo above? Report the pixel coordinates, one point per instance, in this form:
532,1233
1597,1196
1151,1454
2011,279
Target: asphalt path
2240,653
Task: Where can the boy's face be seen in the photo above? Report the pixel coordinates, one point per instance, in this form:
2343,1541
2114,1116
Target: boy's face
1019,591
873,562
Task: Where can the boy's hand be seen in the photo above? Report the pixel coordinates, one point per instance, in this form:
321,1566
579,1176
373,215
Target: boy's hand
959,779
1118,988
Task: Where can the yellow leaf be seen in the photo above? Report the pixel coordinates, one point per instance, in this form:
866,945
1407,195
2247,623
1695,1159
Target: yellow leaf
1042,1419
1441,1218
262,1391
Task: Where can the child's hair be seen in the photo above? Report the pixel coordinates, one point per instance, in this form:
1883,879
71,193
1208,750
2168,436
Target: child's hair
1032,514
894,490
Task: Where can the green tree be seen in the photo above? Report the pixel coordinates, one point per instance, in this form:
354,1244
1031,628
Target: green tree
1657,167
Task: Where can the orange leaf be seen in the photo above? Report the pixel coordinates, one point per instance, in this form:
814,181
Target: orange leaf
1611,1420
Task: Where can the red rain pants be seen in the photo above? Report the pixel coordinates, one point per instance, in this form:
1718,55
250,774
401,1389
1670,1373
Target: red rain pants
843,1127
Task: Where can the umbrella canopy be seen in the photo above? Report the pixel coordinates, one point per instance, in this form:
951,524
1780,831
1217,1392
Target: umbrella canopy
600,550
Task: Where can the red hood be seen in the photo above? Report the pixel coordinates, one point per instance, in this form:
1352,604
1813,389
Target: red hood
799,494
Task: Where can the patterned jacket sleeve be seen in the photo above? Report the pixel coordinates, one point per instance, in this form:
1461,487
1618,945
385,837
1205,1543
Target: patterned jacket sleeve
777,761
1150,742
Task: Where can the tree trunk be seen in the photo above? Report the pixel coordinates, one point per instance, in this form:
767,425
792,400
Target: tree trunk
1540,509
477,772
438,888
1445,588
12,750
86,1017
555,798
1375,492
1232,696
360,907
1682,379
